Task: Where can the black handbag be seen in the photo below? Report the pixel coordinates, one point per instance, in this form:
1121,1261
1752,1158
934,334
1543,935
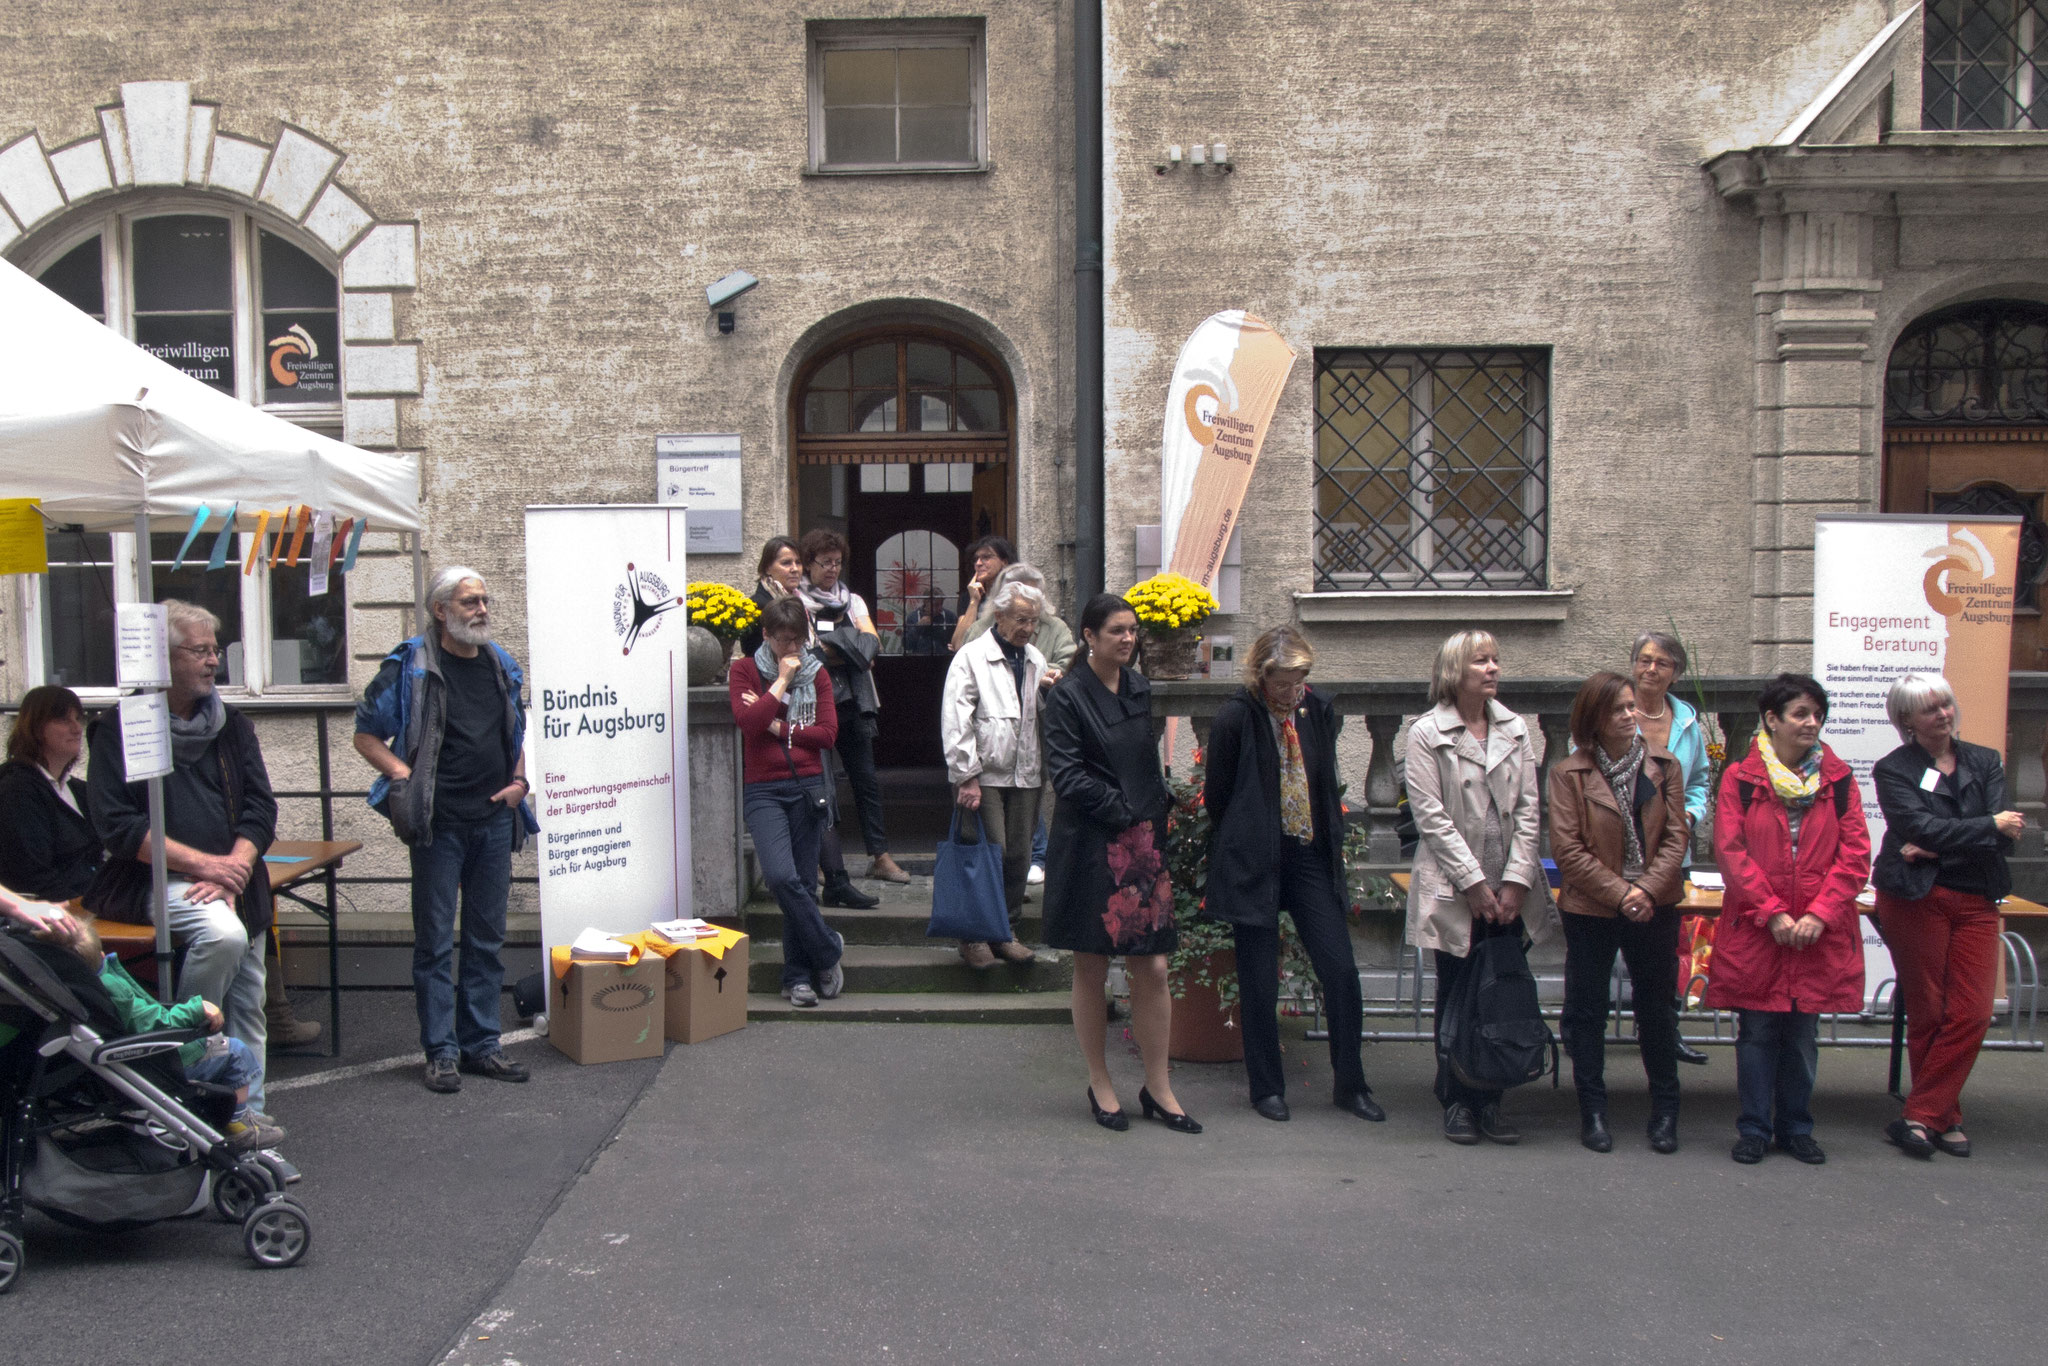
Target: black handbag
1494,1035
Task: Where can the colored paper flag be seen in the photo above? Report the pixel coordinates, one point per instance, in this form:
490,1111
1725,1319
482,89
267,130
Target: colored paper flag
340,539
291,559
256,544
355,541
322,555
198,525
284,524
23,549
219,558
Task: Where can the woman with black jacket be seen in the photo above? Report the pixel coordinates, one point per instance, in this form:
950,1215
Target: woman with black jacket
1939,876
47,846
1107,889
1276,841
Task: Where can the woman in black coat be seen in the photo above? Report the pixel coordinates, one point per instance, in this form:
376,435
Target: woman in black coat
1939,875
47,847
1276,840
1107,890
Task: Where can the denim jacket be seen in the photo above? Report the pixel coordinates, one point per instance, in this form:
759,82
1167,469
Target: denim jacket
401,709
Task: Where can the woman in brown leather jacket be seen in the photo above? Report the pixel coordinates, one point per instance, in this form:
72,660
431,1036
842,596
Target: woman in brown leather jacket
1617,831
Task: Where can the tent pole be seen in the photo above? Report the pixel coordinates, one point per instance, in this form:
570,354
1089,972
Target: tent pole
145,591
419,584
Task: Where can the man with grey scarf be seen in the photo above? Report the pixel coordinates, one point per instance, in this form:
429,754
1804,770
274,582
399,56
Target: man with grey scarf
219,817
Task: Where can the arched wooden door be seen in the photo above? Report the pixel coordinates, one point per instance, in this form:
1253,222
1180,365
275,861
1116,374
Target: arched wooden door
1966,433
904,446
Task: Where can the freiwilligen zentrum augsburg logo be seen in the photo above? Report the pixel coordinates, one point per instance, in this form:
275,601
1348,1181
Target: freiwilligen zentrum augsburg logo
638,605
285,350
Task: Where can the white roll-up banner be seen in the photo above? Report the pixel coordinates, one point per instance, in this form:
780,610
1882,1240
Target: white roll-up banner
1897,594
608,685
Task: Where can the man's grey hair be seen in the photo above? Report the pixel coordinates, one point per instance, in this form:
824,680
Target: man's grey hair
1914,694
1015,594
188,618
446,582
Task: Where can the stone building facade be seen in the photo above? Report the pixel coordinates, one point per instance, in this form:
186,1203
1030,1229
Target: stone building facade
1592,303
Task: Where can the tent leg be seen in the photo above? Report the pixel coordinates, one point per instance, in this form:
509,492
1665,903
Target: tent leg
145,591
419,583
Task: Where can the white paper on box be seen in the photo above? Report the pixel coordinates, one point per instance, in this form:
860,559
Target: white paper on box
142,638
145,736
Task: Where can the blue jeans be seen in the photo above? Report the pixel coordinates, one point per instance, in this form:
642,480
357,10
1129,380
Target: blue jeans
786,825
1777,1057
472,859
235,1066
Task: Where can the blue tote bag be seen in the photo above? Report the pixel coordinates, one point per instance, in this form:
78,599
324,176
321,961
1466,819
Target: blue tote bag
967,889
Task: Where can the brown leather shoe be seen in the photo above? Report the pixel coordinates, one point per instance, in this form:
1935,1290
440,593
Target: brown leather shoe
977,956
288,1031
1014,952
882,868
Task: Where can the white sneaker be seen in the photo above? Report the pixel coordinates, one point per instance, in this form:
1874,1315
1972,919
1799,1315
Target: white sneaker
800,994
1036,875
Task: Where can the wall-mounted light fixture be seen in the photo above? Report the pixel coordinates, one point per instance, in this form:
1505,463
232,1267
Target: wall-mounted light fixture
1202,156
722,293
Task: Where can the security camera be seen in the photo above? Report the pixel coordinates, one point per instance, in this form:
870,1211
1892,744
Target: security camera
724,291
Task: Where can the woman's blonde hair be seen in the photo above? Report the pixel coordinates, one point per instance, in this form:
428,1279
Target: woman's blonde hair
1912,695
1283,647
1451,660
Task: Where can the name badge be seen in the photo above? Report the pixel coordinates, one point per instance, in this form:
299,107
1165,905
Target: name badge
1928,779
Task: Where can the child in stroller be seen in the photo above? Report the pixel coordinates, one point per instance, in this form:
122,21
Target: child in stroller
101,1129
218,1059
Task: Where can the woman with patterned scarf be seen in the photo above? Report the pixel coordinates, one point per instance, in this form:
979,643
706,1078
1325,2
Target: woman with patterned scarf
1618,833
1276,841
1794,854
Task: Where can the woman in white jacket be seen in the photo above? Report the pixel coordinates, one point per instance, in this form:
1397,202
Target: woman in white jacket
989,723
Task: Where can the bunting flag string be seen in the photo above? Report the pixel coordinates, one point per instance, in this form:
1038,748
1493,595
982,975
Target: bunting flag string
219,558
291,559
284,525
256,544
198,525
355,542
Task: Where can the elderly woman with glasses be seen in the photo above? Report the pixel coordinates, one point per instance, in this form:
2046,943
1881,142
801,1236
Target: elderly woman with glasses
1940,873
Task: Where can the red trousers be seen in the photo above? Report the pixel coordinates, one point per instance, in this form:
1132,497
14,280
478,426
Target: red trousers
1945,946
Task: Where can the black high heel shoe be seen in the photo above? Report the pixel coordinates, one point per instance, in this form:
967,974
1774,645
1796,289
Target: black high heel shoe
1181,1124
1115,1120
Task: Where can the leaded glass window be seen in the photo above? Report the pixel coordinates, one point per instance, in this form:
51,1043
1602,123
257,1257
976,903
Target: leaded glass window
1432,469
1984,65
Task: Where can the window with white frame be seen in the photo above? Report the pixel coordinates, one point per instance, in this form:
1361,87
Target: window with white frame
907,95
230,300
1432,469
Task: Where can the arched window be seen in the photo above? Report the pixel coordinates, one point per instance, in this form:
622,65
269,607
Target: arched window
232,301
1975,363
902,384
917,578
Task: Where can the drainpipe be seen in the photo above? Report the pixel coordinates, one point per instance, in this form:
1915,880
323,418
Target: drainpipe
1088,449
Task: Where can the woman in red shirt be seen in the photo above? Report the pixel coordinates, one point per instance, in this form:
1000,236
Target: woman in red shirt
782,703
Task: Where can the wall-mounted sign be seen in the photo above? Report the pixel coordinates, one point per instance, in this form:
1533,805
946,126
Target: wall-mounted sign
702,472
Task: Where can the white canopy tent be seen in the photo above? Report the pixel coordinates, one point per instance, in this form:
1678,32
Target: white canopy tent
108,437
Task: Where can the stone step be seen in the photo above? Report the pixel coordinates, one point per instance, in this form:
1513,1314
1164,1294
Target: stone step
921,1007
899,923
916,969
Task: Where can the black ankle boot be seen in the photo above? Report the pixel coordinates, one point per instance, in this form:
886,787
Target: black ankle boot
1593,1133
840,891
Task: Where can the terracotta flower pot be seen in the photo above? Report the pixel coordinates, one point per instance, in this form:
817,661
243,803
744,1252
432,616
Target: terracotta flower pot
1203,1031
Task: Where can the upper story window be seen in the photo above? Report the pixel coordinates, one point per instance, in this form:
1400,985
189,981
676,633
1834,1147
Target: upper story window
1981,362
1984,66
905,95
1432,469
239,307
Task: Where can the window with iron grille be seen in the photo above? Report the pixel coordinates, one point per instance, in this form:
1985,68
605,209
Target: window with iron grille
1983,362
1984,65
1432,469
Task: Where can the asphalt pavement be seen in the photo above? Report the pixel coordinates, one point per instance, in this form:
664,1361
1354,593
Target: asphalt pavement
937,1194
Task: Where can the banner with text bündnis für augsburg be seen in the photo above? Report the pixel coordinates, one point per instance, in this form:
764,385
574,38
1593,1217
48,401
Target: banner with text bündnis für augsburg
1899,594
607,683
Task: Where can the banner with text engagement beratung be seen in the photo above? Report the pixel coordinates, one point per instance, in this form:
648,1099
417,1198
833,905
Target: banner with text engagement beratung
608,684
1898,594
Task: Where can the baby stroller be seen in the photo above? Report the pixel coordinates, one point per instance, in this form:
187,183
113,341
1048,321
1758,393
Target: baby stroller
101,1130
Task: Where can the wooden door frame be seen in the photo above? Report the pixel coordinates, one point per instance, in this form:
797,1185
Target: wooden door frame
901,447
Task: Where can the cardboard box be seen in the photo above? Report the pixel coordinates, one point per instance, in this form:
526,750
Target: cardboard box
605,1012
707,996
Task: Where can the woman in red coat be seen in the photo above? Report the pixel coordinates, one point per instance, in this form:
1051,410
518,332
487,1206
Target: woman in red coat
1794,853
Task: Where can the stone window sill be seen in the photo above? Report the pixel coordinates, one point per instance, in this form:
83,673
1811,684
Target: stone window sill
843,172
1539,605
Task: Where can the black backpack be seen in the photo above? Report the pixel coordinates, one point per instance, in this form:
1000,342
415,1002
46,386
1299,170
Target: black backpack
1494,1035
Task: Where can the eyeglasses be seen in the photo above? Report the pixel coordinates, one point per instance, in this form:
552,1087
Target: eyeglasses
1651,662
822,563
200,651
